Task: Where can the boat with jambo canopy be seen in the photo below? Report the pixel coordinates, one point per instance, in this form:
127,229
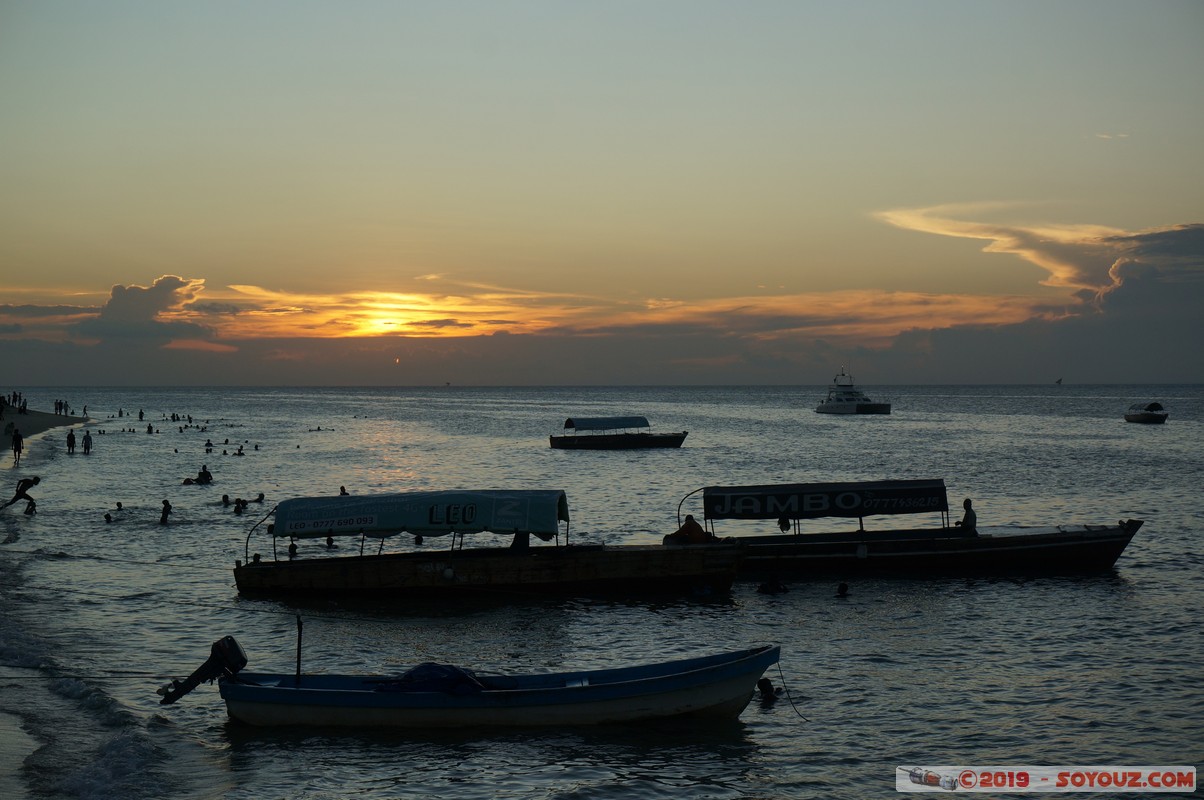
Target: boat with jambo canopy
914,552
612,433
522,567
431,695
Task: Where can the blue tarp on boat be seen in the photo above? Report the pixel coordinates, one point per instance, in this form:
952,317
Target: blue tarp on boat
604,423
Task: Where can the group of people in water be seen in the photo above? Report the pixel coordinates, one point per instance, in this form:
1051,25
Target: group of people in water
17,403
87,442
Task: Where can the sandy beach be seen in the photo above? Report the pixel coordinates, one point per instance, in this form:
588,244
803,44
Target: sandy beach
32,423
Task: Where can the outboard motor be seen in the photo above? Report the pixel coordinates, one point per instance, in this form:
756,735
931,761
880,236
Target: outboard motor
226,658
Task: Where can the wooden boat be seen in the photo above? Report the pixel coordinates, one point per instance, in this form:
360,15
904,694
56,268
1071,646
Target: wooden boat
844,398
911,552
521,567
612,433
1147,413
442,696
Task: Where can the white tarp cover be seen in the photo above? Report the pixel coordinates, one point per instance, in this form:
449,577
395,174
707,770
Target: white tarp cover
605,423
537,511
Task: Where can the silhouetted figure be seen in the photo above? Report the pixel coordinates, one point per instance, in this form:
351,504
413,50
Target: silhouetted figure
842,590
22,493
70,441
690,532
767,691
166,513
969,522
343,490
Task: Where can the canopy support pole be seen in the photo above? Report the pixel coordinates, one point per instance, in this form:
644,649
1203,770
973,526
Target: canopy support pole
298,676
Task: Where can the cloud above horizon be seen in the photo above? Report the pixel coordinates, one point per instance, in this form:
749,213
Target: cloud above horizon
1090,260
1139,277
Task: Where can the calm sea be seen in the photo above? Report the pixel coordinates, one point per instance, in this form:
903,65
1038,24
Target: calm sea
917,671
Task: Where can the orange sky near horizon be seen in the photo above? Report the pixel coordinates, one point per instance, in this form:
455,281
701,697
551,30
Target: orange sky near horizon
788,183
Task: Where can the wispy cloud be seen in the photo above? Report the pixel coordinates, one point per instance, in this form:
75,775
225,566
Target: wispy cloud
1088,259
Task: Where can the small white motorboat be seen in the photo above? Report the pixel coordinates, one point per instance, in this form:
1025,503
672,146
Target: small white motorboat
845,398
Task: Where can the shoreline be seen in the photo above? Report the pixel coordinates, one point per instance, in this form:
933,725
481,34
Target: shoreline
16,744
32,424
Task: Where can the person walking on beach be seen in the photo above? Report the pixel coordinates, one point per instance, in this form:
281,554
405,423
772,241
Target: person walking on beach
23,487
18,446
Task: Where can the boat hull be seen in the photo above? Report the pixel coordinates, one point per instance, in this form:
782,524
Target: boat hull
713,687
853,408
1146,418
617,441
1078,549
564,570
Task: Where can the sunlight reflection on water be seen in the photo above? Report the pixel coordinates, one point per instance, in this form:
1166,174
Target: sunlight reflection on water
948,671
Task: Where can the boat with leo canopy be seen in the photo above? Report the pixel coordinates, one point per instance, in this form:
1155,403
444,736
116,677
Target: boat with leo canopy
913,552
534,561
612,433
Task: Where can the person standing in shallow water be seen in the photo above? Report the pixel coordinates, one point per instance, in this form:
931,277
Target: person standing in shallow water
70,441
18,446
87,442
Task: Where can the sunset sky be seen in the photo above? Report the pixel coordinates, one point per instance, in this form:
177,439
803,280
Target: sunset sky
673,192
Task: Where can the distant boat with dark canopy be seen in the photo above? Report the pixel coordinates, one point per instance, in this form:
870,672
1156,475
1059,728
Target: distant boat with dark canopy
1147,413
612,433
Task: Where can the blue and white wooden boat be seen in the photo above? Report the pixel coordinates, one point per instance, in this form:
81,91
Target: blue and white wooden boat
443,696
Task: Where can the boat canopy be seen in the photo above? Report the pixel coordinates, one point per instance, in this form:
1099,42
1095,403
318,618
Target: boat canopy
427,513
815,500
605,423
1146,407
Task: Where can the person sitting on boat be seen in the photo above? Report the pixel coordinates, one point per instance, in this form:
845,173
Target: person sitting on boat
968,523
690,532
